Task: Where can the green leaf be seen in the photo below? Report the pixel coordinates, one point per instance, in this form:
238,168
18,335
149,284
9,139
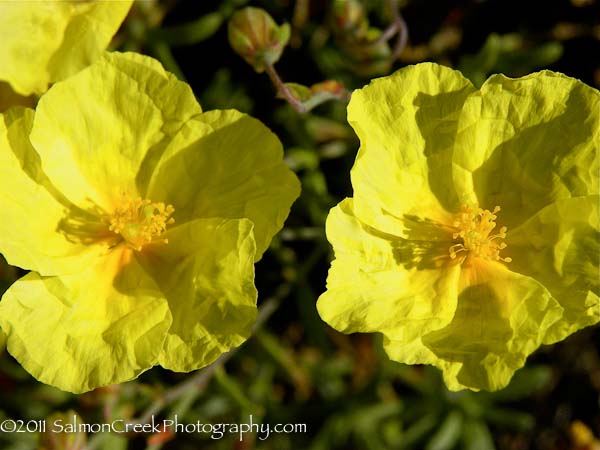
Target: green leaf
448,434
525,383
476,436
190,33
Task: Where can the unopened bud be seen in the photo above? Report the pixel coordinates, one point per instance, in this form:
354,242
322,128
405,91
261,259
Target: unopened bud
350,17
333,87
254,35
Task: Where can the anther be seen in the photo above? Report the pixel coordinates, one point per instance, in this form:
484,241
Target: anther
140,222
474,227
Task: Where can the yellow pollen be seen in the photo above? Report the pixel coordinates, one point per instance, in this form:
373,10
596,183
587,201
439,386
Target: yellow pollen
474,226
140,222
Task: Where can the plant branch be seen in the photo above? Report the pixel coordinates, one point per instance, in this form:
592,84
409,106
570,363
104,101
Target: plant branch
283,90
401,27
389,33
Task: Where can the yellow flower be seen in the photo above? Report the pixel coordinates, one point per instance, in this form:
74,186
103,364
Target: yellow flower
472,237
47,41
140,217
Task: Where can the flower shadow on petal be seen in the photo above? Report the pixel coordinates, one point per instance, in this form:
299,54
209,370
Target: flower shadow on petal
437,120
150,162
540,163
87,227
477,338
425,246
77,225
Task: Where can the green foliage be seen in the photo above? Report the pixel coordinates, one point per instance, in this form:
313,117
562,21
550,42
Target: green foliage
508,54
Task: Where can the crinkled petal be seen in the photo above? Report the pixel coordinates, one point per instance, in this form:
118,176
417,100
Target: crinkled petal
97,146
209,285
36,231
560,247
530,141
407,123
88,33
430,141
227,164
30,34
43,42
501,318
104,325
380,282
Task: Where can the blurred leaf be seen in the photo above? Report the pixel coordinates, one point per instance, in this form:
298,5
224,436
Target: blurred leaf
419,430
367,421
448,434
112,441
192,32
231,387
325,129
476,436
302,158
285,359
69,438
509,54
526,382
315,181
509,418
224,92
163,52
315,329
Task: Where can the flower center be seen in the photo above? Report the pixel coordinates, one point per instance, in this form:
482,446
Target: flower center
474,226
140,221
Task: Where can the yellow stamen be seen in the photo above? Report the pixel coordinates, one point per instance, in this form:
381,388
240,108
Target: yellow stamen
474,226
140,222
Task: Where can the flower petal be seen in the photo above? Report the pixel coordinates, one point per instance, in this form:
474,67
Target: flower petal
530,141
384,283
93,146
104,325
406,124
227,164
501,318
209,285
48,244
88,33
560,247
44,42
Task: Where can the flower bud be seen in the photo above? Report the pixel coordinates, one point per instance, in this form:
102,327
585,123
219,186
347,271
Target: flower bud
349,16
254,35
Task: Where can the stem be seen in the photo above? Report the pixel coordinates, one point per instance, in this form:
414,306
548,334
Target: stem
401,27
398,26
389,33
283,90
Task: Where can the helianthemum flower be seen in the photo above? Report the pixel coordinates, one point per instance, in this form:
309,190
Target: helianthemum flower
473,234
140,218
47,41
